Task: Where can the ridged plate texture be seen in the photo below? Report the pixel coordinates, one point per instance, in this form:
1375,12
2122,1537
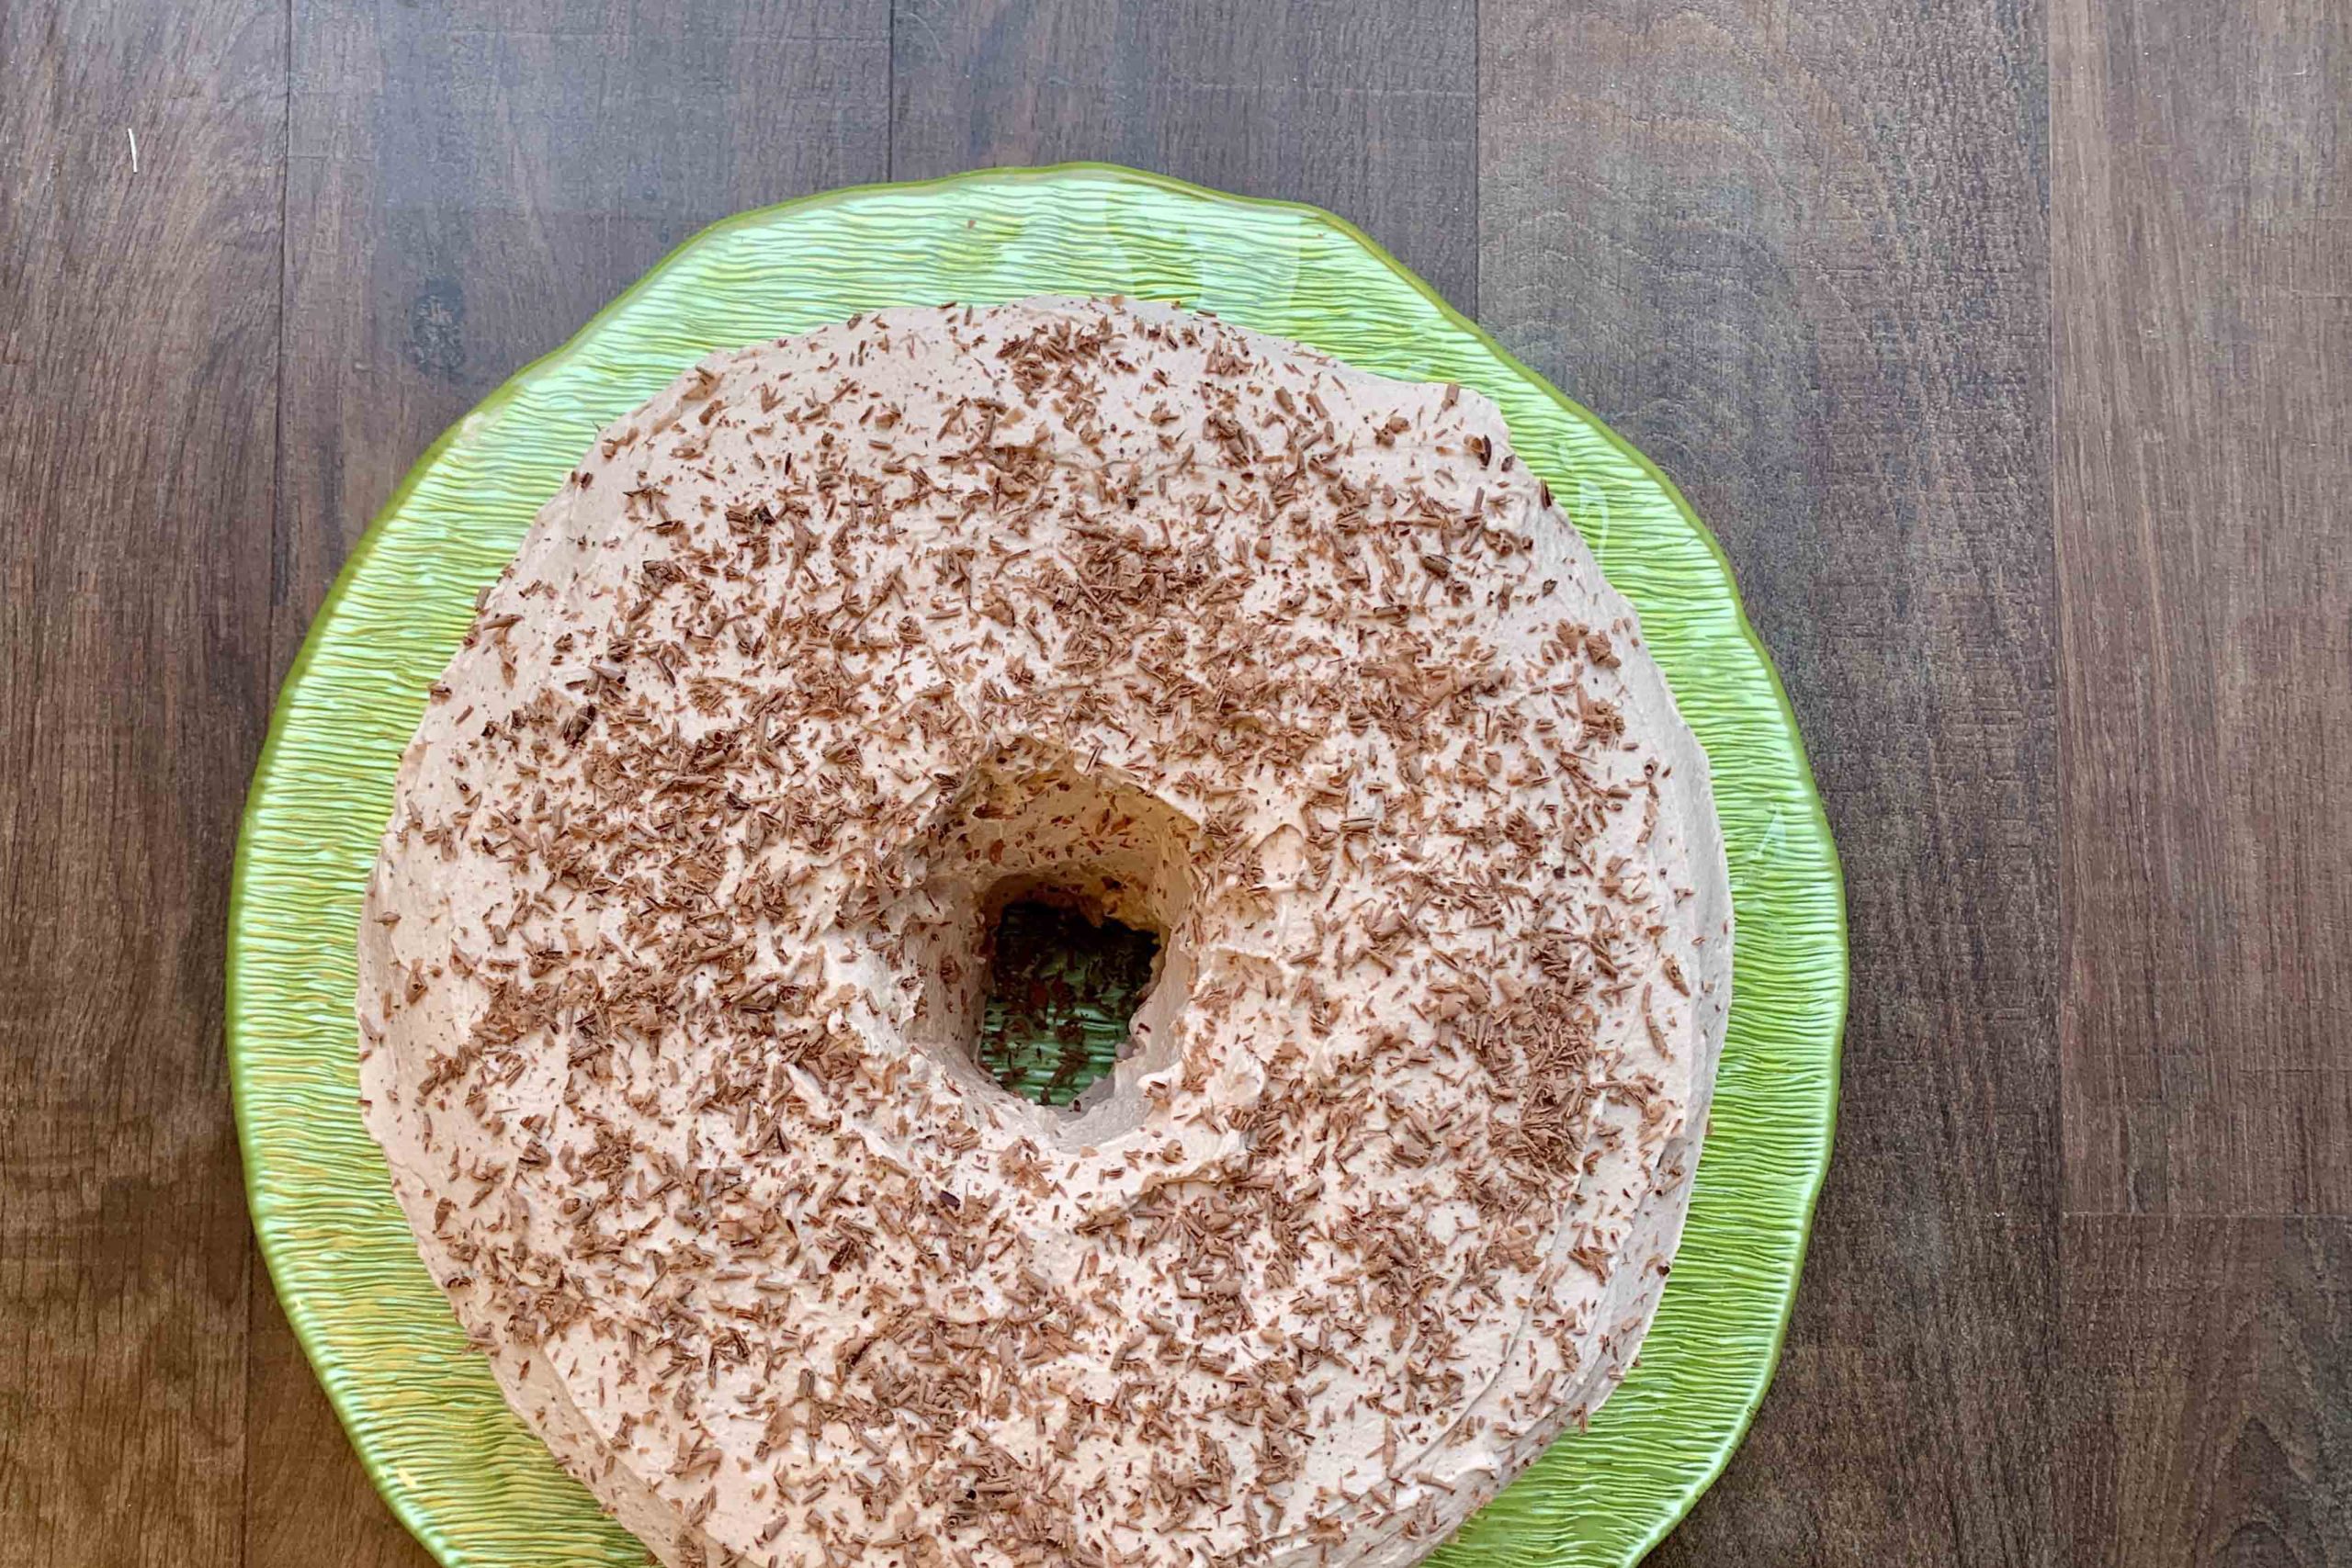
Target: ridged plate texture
461,1471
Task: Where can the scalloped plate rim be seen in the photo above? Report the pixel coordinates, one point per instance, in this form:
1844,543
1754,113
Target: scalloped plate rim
301,1314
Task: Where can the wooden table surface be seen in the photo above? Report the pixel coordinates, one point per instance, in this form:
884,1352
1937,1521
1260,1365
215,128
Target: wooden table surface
2006,346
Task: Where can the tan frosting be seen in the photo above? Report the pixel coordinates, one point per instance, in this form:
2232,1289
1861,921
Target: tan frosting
668,967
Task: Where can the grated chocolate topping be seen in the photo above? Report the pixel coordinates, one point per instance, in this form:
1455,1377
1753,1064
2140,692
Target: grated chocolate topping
670,976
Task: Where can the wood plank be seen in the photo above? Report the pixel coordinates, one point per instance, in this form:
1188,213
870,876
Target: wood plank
2207,1391
469,184
2202,238
471,181
1798,253
1369,109
139,334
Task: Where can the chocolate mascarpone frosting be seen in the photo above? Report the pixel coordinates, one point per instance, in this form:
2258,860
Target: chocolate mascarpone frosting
672,958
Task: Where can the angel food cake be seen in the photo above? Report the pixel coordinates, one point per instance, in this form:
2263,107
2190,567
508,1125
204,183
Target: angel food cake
672,958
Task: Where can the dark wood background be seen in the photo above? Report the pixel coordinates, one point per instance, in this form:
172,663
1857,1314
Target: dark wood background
2006,344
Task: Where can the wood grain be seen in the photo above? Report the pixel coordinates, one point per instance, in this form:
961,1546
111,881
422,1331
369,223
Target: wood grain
2207,1392
138,358
1797,253
2203,241
1367,108
471,182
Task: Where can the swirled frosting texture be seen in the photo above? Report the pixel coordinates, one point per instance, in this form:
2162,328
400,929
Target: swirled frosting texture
670,955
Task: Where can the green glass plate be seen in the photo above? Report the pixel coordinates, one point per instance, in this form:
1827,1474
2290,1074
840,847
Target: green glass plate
461,1471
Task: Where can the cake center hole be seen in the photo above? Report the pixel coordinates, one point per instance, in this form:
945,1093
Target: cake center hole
1063,982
